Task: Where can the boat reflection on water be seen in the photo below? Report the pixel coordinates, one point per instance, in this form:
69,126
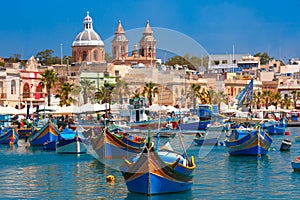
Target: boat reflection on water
179,195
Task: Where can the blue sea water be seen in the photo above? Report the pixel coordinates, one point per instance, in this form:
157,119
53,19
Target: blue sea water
30,173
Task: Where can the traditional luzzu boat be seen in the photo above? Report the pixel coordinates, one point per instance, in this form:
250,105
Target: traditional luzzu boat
105,144
8,136
23,132
210,136
45,133
201,139
248,141
276,128
296,164
70,142
157,172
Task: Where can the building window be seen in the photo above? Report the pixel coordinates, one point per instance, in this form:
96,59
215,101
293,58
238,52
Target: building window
122,50
114,52
96,55
224,62
117,73
13,87
26,91
84,55
142,52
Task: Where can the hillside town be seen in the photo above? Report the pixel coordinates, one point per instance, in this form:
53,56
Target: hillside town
221,80
148,112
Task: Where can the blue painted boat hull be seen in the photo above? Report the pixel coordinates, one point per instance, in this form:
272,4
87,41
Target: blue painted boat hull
152,184
209,141
276,130
8,136
159,172
45,135
296,166
252,144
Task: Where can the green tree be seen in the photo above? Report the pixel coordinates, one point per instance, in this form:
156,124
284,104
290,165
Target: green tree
120,91
149,91
286,102
48,80
76,93
264,58
295,96
136,94
100,95
277,99
219,97
196,92
104,93
257,98
64,93
45,57
88,87
108,58
267,95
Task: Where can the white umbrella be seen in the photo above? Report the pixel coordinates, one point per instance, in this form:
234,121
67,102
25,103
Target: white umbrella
156,107
172,109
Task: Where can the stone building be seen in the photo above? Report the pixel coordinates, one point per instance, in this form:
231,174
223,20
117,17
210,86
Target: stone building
144,55
88,46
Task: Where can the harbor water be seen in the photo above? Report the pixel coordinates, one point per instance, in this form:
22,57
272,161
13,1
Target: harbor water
31,173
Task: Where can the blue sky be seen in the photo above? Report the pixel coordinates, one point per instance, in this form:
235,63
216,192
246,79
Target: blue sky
28,27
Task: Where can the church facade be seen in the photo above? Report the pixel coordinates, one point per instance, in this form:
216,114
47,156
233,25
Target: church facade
143,55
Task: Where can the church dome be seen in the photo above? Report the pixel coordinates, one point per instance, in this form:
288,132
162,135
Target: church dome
88,37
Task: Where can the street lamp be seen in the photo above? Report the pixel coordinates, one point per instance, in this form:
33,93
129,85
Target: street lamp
20,93
61,54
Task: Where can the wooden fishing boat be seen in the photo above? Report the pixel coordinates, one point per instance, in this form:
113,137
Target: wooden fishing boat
70,142
275,127
44,134
248,141
23,132
296,164
8,136
201,138
210,136
157,172
108,145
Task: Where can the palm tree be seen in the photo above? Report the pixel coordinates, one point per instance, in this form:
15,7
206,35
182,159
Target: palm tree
103,94
220,97
277,99
64,93
211,96
267,95
100,95
76,93
295,96
48,80
136,93
196,88
286,102
88,89
203,97
256,99
149,91
121,89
